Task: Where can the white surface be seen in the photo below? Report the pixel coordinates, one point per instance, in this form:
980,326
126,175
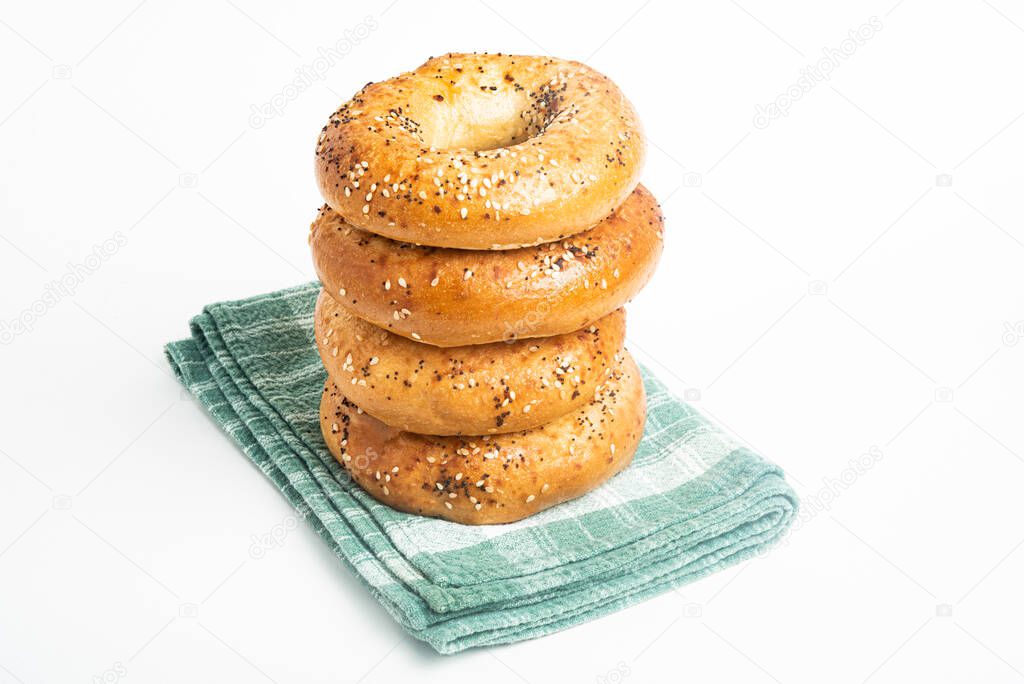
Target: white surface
120,555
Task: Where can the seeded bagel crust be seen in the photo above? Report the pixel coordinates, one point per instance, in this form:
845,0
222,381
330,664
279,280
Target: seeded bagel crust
454,297
492,478
482,151
471,390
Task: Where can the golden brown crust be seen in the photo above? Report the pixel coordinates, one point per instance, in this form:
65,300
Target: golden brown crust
453,297
479,151
471,390
490,479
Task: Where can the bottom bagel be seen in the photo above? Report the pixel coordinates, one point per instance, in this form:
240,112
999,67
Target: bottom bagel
492,478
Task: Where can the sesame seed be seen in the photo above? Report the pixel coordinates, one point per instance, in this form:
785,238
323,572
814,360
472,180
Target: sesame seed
416,336
530,498
342,292
434,282
448,504
478,506
386,491
545,488
439,485
468,274
387,284
402,283
463,212
366,208
374,361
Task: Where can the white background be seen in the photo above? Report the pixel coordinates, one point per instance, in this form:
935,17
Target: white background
848,278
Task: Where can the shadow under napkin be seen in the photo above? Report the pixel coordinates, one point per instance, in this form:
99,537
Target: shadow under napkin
692,502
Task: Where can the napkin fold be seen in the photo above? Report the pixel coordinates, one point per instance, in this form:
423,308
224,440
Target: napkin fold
693,501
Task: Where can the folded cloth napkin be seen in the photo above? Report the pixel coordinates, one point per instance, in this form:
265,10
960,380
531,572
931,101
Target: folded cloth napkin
692,502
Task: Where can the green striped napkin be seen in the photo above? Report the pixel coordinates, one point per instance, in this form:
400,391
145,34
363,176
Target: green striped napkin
692,502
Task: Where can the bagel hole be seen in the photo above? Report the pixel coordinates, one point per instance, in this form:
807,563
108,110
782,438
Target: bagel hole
485,121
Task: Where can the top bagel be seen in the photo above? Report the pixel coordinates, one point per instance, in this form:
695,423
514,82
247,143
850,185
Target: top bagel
478,151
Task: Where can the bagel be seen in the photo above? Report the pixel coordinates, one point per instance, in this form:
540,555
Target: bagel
479,151
490,479
453,297
472,390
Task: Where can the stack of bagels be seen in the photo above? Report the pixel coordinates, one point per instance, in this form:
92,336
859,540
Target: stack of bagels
483,227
